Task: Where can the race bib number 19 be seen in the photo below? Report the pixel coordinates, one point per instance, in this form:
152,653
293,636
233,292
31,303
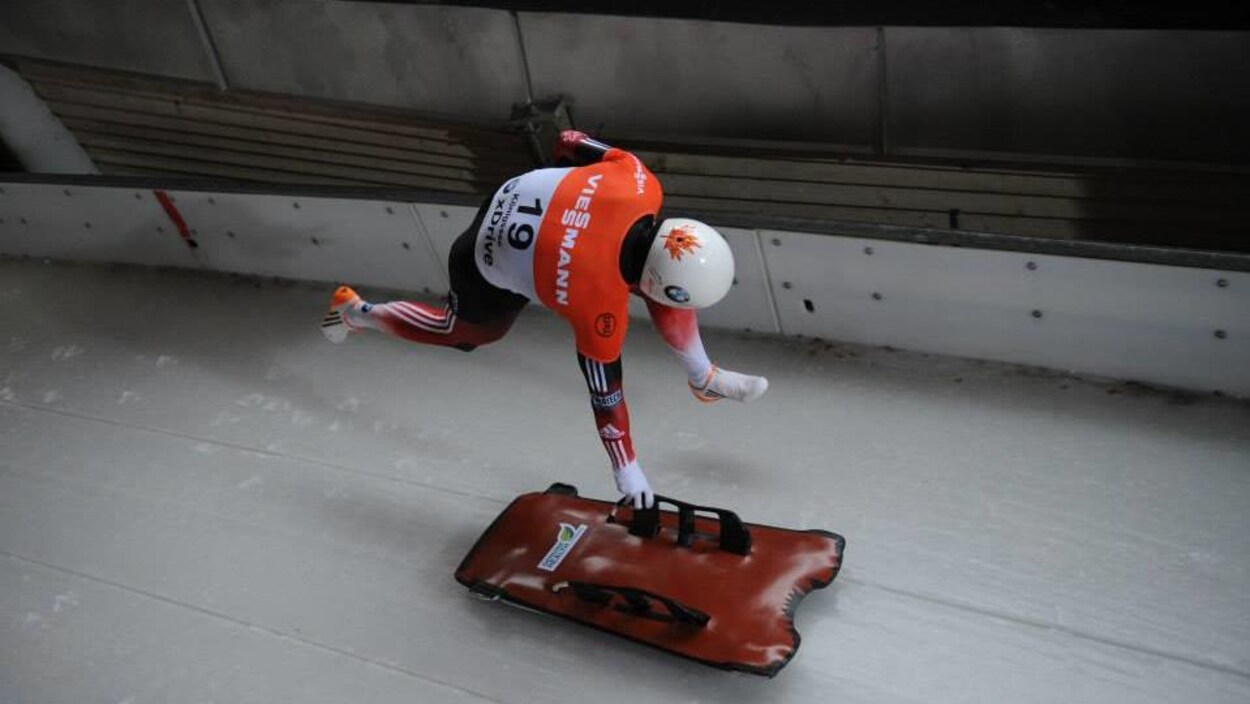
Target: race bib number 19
505,253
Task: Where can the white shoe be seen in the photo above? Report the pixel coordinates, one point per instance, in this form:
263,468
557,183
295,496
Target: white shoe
722,383
334,325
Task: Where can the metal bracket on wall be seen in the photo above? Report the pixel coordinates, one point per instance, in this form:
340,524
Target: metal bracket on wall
541,122
211,54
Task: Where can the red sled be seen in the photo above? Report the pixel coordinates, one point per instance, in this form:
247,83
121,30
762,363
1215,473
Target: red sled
706,587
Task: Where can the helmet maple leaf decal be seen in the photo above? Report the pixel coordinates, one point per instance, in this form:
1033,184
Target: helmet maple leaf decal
680,241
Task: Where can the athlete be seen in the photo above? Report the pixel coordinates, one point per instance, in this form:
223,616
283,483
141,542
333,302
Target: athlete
579,238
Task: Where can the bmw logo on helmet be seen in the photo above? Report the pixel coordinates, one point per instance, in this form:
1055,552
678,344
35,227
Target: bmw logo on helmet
677,293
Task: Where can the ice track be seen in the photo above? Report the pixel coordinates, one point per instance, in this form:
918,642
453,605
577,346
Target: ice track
202,500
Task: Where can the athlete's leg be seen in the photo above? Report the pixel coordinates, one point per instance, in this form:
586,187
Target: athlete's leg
476,313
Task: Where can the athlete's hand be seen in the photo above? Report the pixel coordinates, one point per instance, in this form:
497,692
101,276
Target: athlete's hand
565,151
723,383
633,483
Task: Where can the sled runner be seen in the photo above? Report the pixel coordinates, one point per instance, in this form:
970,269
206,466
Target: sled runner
696,582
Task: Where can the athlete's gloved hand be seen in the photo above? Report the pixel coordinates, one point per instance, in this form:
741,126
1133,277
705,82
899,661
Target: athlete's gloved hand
565,151
632,482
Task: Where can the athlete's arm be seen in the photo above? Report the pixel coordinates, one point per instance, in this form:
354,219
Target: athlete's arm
679,327
607,400
577,149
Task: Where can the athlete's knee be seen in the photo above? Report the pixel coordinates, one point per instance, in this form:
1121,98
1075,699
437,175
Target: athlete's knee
480,338
470,336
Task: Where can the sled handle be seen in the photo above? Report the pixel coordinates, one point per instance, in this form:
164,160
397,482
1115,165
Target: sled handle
638,602
734,536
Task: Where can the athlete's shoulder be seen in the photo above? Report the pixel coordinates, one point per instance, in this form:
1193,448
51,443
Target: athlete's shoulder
616,155
643,183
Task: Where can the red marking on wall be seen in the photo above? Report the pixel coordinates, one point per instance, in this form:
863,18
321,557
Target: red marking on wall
175,217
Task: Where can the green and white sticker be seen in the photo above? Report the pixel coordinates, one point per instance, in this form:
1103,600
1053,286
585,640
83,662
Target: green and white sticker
565,540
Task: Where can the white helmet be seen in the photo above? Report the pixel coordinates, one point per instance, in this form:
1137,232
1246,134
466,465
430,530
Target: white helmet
689,265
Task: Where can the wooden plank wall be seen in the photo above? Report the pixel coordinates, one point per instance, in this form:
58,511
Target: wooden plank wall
1197,208
141,126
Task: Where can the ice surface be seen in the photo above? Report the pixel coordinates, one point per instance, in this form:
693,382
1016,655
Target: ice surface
202,500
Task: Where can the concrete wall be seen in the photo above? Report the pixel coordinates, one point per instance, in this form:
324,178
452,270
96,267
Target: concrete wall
1120,94
144,36
1133,94
454,61
708,79
1177,326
